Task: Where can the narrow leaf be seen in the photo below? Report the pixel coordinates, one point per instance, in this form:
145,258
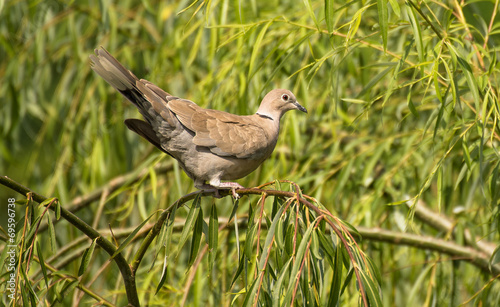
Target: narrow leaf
399,66
440,188
371,289
213,237
471,81
163,277
279,236
58,210
87,256
328,247
269,238
189,224
315,246
329,12
310,10
383,20
195,242
32,231
289,239
48,201
411,105
395,7
335,288
29,287
417,33
154,181
250,295
466,154
250,238
257,49
494,186
276,292
241,265
42,264
495,257
131,236
294,275
52,234
170,228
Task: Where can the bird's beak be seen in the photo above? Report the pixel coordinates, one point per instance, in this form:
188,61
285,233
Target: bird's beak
300,107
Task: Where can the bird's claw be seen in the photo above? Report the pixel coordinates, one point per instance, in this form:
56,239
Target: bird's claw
235,195
224,185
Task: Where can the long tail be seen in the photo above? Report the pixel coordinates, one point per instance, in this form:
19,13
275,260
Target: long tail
142,93
150,100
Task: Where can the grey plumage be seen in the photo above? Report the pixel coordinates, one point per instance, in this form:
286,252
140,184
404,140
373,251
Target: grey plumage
210,145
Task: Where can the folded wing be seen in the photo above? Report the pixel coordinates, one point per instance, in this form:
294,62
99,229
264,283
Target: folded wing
225,134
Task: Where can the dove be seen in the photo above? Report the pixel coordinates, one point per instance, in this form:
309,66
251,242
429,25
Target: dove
209,145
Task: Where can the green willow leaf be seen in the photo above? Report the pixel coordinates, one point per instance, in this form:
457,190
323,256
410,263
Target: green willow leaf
335,287
329,15
257,49
52,234
131,236
213,237
42,264
371,289
417,33
269,239
249,240
310,10
294,274
383,20
189,223
195,242
163,277
250,295
276,291
395,7
87,256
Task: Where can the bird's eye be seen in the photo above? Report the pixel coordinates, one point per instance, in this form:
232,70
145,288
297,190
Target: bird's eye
284,97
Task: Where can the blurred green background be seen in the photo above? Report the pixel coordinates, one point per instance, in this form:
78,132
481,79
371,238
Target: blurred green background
403,108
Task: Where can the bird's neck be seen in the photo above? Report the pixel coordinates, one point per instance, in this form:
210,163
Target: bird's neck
272,123
265,115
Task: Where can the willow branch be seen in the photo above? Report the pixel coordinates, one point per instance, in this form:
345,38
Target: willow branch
469,254
100,300
126,272
114,184
444,224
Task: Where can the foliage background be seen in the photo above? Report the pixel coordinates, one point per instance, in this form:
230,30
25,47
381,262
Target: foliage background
403,111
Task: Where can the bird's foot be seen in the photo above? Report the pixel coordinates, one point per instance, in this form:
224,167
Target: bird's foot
211,189
214,187
233,186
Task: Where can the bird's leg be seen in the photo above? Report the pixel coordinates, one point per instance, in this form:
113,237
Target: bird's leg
233,186
224,185
207,188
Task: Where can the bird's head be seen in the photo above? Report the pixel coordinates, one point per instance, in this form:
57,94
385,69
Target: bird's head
277,102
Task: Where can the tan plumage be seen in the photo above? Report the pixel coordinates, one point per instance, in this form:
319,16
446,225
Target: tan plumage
209,145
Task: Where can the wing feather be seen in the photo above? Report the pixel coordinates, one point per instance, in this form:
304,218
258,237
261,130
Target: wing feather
223,133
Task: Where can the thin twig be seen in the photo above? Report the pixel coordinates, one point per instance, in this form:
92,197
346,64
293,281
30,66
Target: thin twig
493,14
127,274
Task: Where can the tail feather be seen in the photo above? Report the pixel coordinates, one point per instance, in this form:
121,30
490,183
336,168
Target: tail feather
146,131
150,100
123,80
112,71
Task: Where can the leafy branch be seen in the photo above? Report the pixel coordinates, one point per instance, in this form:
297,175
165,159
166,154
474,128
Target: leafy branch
127,274
479,258
296,198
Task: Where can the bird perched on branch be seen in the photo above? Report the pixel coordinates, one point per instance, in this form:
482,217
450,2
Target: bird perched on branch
210,145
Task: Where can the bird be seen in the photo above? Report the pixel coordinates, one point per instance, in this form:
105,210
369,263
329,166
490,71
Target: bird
212,147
